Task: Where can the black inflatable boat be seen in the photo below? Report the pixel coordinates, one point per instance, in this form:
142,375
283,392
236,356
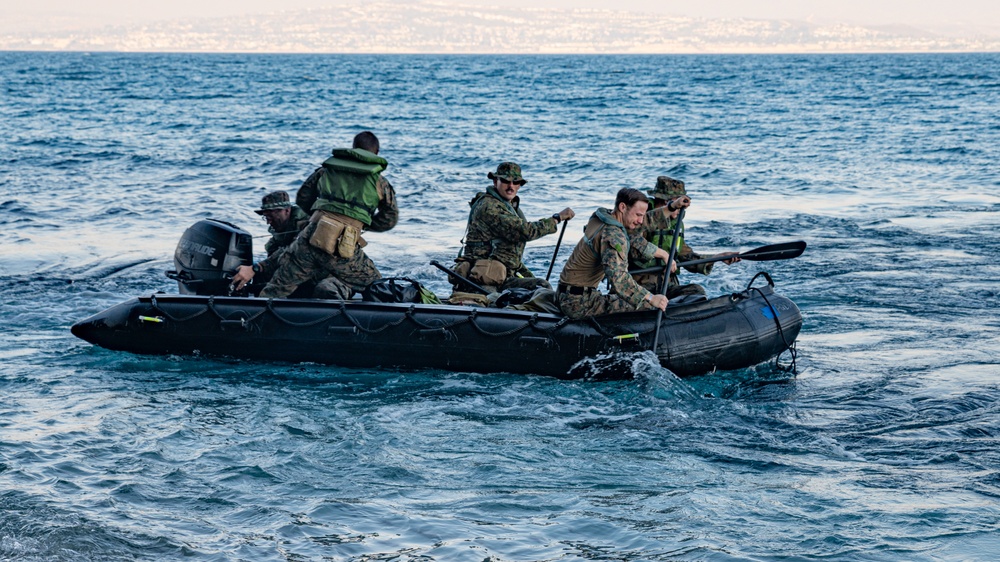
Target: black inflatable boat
730,332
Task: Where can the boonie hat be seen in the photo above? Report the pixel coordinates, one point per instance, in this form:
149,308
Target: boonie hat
667,188
508,171
272,201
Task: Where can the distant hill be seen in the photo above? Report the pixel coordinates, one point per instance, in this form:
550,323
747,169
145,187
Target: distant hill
433,27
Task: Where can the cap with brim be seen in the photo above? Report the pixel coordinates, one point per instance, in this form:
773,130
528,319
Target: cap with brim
273,201
508,171
667,189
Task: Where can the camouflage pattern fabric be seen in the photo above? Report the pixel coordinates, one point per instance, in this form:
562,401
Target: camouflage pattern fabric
385,217
279,241
333,288
303,263
627,295
667,188
595,304
508,171
498,230
659,227
272,201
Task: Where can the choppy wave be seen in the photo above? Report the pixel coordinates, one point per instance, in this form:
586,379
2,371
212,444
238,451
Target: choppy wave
882,446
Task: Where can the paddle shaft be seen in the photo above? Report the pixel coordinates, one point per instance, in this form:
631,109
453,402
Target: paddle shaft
666,277
556,252
784,251
459,277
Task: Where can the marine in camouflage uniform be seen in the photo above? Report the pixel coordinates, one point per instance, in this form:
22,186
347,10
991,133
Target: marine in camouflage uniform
498,230
603,252
350,192
668,196
284,221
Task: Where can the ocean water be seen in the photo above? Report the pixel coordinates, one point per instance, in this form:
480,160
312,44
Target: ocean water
885,445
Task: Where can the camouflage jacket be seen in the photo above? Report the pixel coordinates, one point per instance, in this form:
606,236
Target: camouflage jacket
603,252
658,228
497,229
276,245
385,217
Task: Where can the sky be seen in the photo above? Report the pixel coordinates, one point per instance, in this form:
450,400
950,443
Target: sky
977,16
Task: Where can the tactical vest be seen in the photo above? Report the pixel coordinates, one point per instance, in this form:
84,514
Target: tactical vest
349,185
584,267
482,249
661,238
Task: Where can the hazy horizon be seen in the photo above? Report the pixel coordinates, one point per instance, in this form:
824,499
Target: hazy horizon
958,17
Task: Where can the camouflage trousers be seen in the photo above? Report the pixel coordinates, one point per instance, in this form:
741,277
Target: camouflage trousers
335,277
650,282
595,303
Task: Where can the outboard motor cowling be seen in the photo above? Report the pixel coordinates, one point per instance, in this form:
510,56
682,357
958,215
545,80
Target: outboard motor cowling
207,254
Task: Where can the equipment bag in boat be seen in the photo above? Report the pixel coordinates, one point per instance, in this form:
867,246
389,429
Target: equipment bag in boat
398,289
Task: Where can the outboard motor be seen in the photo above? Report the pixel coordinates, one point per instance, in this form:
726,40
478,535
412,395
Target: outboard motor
207,254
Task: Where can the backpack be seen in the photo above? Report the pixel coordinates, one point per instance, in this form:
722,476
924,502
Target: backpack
398,289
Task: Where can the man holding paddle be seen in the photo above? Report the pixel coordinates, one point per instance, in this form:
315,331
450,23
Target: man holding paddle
669,197
493,251
608,239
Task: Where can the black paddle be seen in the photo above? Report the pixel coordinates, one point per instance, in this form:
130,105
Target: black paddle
783,251
459,277
556,253
666,276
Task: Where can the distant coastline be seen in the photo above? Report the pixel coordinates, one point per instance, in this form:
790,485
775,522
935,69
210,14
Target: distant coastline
435,28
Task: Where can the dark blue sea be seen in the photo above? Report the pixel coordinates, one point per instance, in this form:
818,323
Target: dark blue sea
884,445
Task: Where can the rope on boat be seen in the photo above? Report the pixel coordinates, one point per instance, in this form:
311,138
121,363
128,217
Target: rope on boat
789,347
343,310
270,308
152,300
411,315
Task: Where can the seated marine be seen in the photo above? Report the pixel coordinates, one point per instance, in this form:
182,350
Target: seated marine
603,252
493,249
284,222
669,197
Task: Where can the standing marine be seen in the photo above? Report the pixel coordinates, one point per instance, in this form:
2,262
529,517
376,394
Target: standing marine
669,197
603,252
351,196
493,250
284,222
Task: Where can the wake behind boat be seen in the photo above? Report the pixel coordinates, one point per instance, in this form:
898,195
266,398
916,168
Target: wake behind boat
730,332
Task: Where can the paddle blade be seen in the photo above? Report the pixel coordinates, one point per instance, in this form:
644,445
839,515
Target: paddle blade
785,251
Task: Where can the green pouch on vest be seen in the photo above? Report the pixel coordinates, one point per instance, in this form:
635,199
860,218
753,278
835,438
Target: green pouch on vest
488,272
327,235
